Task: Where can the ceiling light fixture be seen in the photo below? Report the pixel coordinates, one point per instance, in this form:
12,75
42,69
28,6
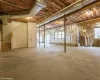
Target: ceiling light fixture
48,26
28,17
88,12
84,30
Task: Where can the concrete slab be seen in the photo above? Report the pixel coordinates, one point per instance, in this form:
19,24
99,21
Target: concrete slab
51,63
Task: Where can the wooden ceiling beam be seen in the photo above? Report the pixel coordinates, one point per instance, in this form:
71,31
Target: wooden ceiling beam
79,17
59,2
47,13
84,18
70,1
52,7
50,12
73,19
9,3
65,3
24,1
1,8
95,11
42,15
55,5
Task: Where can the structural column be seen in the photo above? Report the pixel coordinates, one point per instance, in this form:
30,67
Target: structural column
65,34
39,36
0,40
44,35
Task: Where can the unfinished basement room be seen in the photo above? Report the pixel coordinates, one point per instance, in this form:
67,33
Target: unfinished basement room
49,39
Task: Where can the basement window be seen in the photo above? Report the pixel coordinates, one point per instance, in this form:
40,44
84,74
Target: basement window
97,32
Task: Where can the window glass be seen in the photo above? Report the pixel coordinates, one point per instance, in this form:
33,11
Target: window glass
97,32
62,36
56,33
56,36
62,33
59,35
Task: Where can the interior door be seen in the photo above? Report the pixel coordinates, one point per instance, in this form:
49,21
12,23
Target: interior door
32,35
31,38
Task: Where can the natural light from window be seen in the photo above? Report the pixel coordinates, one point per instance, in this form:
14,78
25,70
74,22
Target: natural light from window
97,32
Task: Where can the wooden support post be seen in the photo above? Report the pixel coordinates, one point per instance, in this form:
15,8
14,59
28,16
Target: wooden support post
64,34
44,35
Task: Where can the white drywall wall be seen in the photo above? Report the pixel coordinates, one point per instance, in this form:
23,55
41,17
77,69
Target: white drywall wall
19,36
32,35
7,29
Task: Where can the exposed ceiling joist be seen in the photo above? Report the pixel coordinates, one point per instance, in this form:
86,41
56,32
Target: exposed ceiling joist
9,3
16,7
53,7
59,3
65,3
56,5
24,1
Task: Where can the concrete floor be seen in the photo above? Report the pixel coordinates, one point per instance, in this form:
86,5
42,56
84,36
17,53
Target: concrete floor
51,64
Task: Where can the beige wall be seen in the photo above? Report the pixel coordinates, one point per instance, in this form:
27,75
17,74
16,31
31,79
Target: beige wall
20,36
9,28
19,32
32,34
